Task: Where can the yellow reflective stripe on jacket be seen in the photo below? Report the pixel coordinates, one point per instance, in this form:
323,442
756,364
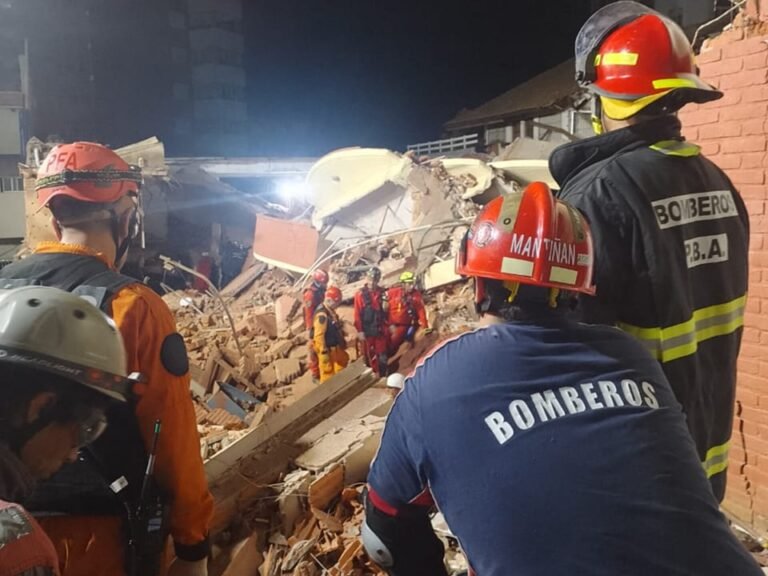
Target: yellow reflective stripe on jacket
617,59
676,148
680,340
716,460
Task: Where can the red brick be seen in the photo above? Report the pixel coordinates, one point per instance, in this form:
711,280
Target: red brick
691,134
744,112
731,98
763,335
752,160
723,67
709,55
751,334
755,207
749,350
753,305
749,397
755,243
744,144
741,79
759,258
763,369
756,416
703,116
719,130
728,161
754,93
750,192
756,61
710,148
745,47
749,366
748,381
742,176
757,475
752,127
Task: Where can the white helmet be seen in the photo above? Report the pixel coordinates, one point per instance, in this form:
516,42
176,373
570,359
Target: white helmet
51,330
395,380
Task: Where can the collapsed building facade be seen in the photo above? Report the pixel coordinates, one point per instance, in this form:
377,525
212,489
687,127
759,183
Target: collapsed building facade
286,457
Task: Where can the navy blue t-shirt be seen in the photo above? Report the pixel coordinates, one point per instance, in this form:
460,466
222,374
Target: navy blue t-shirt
556,449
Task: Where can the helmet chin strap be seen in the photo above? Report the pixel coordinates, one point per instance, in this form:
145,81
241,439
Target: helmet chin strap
121,248
597,116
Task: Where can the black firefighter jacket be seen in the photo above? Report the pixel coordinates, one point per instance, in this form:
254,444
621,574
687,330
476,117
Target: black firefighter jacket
671,238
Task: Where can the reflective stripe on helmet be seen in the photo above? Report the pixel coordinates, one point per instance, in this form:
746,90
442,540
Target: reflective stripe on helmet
617,59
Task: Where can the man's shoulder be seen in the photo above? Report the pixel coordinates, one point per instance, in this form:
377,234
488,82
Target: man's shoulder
141,298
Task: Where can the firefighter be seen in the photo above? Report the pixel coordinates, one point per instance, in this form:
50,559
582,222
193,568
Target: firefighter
328,336
406,312
62,363
371,308
671,229
535,429
93,197
314,297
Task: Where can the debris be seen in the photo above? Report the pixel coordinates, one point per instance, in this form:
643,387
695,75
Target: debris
286,369
285,307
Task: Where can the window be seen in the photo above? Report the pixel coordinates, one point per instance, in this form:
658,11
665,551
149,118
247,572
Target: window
11,184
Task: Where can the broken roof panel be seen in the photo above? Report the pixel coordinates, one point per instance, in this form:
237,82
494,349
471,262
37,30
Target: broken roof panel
548,92
346,176
286,244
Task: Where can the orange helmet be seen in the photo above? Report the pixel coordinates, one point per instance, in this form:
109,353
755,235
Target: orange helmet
530,238
320,276
333,293
87,172
632,56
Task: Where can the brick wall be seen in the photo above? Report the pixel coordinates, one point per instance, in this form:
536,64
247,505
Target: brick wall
733,132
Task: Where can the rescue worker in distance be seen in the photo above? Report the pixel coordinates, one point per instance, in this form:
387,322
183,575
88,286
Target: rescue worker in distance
671,230
328,336
535,429
62,363
406,312
313,297
371,308
93,197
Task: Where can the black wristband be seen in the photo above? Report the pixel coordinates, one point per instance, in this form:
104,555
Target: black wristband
194,552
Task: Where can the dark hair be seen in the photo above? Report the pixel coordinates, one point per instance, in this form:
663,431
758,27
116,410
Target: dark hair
20,384
66,209
529,303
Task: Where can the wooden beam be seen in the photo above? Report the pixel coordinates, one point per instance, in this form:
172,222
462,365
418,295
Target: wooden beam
239,473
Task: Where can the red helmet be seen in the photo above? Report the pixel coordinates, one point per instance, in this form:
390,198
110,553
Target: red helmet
320,276
87,172
333,293
530,238
630,53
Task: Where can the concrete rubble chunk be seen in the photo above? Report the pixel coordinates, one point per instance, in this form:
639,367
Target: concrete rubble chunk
286,369
279,349
285,308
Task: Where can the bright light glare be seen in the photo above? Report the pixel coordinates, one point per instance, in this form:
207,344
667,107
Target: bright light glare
291,190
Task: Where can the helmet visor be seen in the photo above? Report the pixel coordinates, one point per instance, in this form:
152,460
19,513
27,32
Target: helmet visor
596,29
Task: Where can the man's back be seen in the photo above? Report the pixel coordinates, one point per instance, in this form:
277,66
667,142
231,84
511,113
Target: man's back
673,234
555,450
154,349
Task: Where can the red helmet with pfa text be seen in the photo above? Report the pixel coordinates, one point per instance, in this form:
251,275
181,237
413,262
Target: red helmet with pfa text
334,294
530,238
86,172
320,277
632,56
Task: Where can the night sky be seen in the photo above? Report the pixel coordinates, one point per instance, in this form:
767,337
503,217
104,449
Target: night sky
328,74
